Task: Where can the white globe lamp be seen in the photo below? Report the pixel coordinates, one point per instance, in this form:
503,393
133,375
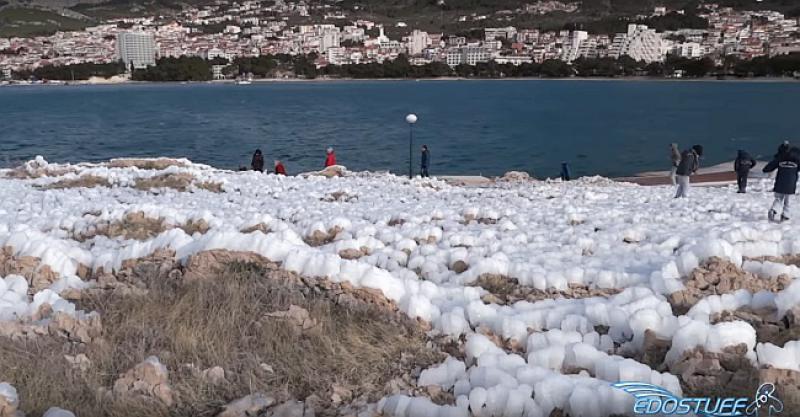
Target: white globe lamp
411,118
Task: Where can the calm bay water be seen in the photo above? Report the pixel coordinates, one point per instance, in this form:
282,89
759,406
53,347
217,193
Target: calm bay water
473,127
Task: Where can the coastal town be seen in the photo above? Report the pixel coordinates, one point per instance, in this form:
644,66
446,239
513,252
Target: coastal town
225,31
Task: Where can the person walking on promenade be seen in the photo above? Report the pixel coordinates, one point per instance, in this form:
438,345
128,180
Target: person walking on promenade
566,173
787,164
425,162
675,156
743,164
279,168
330,158
690,163
257,164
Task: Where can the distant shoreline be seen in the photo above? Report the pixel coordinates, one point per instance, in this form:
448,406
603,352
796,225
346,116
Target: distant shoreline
106,82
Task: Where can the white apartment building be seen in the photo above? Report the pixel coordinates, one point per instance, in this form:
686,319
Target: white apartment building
137,48
688,50
640,43
353,33
417,42
572,46
336,56
218,53
217,72
514,59
469,55
329,39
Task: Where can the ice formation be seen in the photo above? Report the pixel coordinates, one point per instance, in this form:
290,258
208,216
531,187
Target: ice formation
422,243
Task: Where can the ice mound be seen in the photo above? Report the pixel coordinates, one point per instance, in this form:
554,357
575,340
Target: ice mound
15,304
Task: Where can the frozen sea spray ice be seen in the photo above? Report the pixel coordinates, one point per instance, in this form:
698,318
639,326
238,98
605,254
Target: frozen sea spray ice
610,235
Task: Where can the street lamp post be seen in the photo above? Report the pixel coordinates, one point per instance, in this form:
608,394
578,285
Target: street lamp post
411,118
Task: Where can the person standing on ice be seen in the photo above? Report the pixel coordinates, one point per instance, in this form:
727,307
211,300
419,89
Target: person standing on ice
743,164
330,159
426,159
675,156
257,164
787,164
279,168
782,149
690,163
566,173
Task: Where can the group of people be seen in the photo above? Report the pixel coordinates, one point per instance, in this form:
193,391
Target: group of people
786,161
684,164
257,163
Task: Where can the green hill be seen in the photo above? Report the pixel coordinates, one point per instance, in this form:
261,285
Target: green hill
28,22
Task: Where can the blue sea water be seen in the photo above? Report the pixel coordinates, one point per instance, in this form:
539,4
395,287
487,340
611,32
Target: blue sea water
610,128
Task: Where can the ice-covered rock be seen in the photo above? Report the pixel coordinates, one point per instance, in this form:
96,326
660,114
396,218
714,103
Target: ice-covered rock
58,412
9,401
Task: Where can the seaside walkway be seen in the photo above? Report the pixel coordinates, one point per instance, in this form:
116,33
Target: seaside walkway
714,178
716,175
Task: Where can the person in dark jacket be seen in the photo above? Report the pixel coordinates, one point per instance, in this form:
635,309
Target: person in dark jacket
279,168
782,149
788,165
425,161
566,173
690,163
257,164
742,166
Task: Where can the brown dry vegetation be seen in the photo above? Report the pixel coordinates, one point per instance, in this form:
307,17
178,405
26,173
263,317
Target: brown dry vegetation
150,164
84,181
720,276
219,322
133,226
214,187
138,226
505,290
787,259
180,182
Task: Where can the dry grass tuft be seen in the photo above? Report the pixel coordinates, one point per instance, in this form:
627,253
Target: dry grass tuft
220,322
138,226
180,182
507,291
150,164
214,187
133,226
195,226
84,181
261,227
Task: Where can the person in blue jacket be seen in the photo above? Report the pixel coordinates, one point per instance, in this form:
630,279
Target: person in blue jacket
426,160
788,165
566,173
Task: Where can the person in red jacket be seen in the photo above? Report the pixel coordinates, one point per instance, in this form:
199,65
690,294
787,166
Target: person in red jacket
330,160
279,168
